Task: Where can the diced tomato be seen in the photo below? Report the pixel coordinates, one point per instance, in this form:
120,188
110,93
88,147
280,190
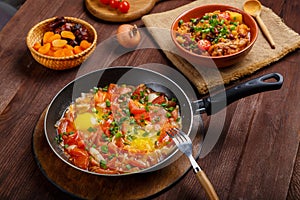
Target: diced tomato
82,161
224,15
119,142
69,115
77,152
81,143
164,137
65,126
80,157
142,117
171,104
136,107
112,88
139,112
159,100
138,91
100,97
204,44
71,139
105,126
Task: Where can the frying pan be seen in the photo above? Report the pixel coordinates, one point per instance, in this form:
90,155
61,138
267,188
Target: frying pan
159,83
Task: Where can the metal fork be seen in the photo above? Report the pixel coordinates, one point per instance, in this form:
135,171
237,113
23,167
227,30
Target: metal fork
184,144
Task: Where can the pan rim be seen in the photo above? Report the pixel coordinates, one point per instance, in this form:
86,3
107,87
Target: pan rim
147,170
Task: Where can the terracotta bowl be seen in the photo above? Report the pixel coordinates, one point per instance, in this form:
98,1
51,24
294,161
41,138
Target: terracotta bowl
36,33
219,61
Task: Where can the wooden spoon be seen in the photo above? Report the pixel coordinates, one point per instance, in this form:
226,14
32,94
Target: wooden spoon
253,7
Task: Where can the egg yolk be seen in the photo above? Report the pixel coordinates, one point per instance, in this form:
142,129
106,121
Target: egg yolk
146,144
84,121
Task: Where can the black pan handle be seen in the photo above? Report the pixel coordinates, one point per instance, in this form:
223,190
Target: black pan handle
215,103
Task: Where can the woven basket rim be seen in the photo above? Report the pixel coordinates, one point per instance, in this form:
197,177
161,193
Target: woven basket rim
31,31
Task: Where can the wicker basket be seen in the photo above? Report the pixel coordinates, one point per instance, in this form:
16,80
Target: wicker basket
59,63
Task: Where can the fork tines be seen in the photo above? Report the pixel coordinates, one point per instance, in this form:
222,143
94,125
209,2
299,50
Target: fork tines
172,132
177,135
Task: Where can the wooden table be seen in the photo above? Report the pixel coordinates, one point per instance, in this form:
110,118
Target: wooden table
256,156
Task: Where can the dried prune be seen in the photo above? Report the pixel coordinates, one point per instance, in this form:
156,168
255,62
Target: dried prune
77,32
59,21
76,27
73,43
67,27
57,30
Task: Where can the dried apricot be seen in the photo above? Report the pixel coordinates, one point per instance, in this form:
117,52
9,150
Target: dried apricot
59,43
59,53
44,49
50,52
68,52
67,46
67,34
77,49
47,36
37,45
54,37
55,48
85,44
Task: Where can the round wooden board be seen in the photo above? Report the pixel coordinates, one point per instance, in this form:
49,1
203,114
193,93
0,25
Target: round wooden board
137,9
88,186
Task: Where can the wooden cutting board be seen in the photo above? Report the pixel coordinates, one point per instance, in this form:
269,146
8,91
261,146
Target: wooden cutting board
137,9
88,186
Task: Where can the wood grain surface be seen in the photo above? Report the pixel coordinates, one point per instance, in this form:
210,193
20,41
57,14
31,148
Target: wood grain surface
257,155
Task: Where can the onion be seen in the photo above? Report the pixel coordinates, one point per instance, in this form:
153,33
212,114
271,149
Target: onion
128,35
96,154
152,96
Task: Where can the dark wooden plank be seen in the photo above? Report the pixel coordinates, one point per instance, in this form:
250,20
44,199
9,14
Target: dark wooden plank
264,127
294,189
270,149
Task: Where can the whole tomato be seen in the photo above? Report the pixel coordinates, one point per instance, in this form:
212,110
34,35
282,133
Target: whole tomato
106,2
124,6
114,3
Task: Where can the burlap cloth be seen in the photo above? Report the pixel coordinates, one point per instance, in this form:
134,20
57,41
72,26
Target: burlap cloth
261,55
